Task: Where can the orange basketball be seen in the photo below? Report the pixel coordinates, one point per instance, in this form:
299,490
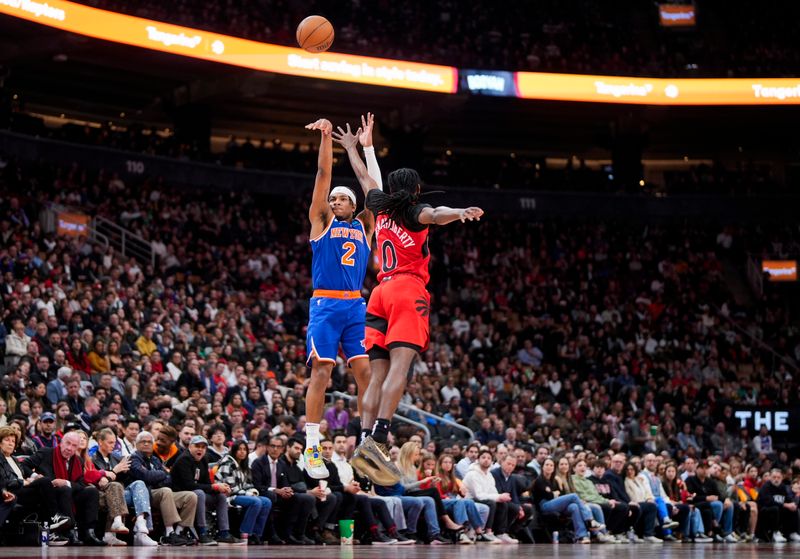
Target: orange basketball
315,34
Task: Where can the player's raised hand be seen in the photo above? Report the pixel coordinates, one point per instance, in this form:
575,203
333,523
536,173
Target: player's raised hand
346,138
472,213
365,138
323,125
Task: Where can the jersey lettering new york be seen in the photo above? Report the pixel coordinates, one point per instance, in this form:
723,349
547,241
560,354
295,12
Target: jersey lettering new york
340,256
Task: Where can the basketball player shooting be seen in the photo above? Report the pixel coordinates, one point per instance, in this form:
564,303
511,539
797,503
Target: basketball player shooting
397,326
340,244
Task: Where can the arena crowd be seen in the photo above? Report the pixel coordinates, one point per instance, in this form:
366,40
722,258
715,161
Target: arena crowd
597,366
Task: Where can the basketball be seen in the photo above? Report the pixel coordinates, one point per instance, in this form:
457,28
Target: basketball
315,34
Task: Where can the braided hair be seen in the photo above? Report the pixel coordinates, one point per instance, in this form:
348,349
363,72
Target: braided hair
403,184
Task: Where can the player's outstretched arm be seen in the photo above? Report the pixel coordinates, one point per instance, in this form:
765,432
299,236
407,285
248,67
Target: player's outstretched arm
349,142
365,139
319,211
442,215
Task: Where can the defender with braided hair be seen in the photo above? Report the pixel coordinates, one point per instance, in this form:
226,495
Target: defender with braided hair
398,309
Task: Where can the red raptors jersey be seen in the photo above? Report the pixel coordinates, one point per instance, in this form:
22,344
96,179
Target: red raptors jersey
402,248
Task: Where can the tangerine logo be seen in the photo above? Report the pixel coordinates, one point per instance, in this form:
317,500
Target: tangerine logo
169,39
620,90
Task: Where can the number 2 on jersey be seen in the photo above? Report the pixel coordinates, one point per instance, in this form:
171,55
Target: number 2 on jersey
347,257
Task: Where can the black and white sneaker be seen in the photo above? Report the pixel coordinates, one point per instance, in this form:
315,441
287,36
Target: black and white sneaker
60,522
174,540
54,540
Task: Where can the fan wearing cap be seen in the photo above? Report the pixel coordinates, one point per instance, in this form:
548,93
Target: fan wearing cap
46,437
340,243
190,473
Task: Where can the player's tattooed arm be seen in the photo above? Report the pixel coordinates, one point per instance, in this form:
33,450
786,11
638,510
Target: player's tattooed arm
442,215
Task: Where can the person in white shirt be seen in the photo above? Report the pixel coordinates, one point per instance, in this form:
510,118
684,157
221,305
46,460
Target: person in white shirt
481,488
450,391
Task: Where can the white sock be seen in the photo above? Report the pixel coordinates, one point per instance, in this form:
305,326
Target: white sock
141,525
168,530
312,434
117,519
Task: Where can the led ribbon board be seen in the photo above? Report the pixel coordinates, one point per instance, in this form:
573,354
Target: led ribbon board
656,91
184,41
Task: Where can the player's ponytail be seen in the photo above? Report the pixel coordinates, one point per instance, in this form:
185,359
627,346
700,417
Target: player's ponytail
403,193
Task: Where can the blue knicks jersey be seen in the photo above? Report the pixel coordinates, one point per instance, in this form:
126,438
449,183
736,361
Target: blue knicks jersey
340,257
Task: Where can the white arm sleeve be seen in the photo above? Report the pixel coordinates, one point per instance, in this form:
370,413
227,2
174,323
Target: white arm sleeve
372,166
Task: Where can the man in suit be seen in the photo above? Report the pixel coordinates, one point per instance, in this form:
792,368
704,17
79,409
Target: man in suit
519,513
271,476
65,487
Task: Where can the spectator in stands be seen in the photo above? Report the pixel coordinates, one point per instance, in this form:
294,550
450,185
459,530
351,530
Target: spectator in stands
691,521
519,514
644,512
470,458
177,508
349,499
614,512
407,463
762,443
542,452
649,475
462,509
711,504
388,510
217,451
46,435
777,508
135,493
278,477
548,498
234,470
16,344
337,416
190,472
165,448
64,488
18,486
481,487
638,490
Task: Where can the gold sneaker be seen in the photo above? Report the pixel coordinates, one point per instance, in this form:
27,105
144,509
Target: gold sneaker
372,460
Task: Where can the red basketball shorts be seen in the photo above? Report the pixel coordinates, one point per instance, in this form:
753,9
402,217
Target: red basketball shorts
397,314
